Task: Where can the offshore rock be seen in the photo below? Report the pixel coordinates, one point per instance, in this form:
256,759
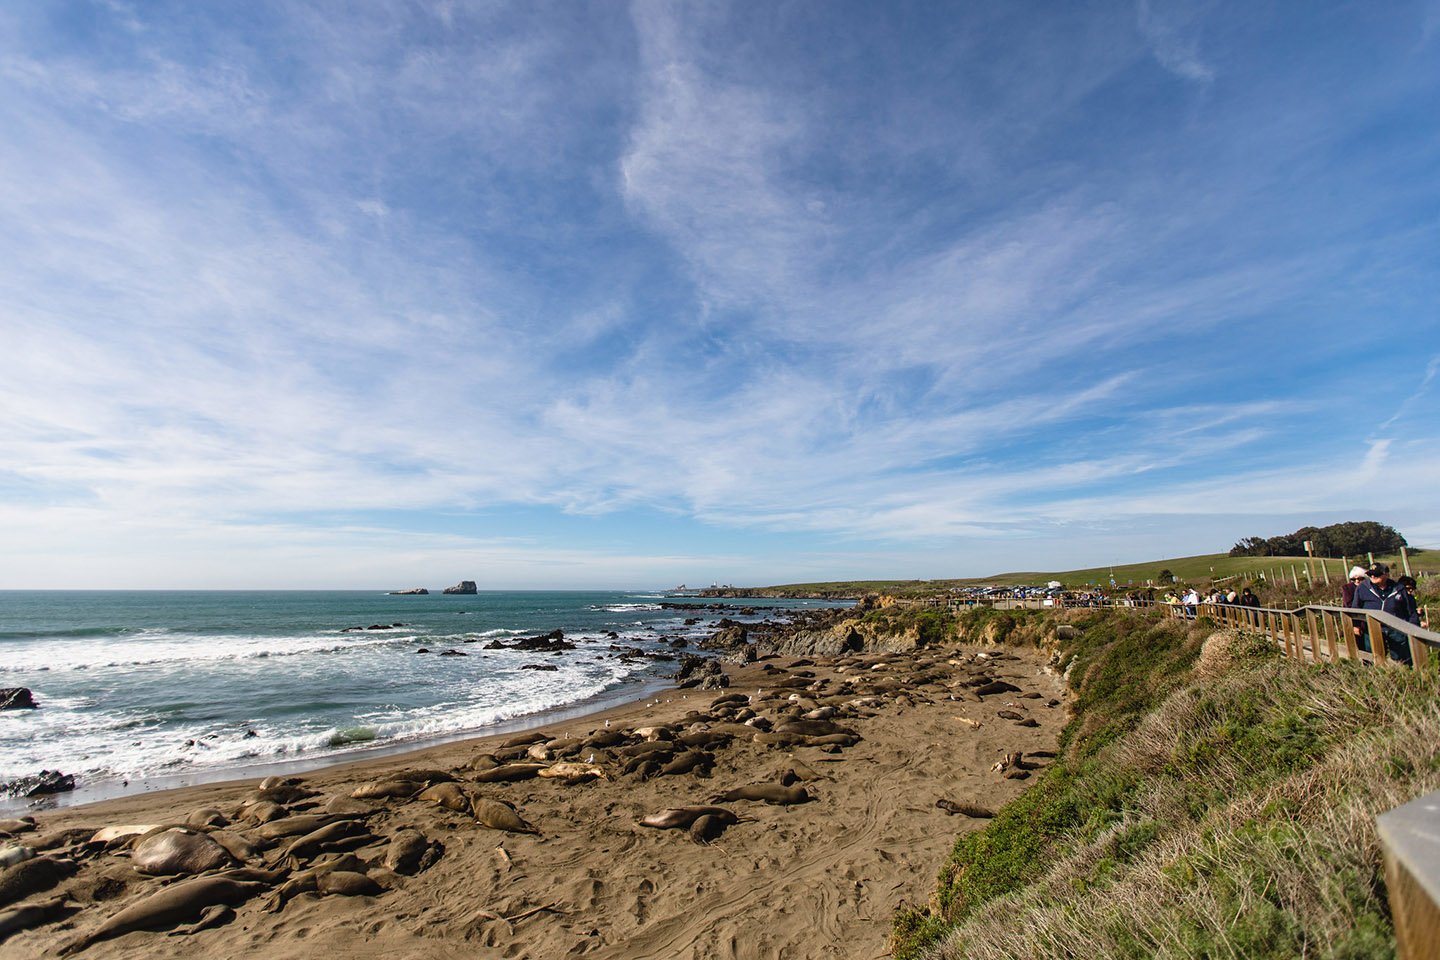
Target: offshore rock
16,698
413,592
464,586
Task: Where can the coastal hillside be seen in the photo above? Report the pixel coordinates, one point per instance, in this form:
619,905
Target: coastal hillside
1211,799
1197,569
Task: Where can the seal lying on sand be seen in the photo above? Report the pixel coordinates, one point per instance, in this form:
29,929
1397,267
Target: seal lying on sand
30,877
682,817
179,851
30,915
772,793
498,815
168,907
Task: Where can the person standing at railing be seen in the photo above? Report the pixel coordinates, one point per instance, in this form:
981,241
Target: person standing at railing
1347,600
1409,585
1191,602
1248,599
1386,595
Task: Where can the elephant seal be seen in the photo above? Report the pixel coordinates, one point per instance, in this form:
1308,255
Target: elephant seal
385,789
179,851
294,826
329,837
262,811
346,807
167,907
123,831
498,815
570,772
707,828
968,809
207,817
410,852
673,817
509,773
813,728
30,915
347,884
692,760
17,825
772,793
996,686
448,795
11,855
33,876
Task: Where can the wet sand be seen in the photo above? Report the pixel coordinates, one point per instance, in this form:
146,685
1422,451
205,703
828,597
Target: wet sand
807,880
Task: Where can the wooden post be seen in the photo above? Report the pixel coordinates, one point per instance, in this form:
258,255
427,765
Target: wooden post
1371,558
1325,571
1412,870
1294,576
1419,655
1331,640
1405,561
1351,647
1377,639
1314,635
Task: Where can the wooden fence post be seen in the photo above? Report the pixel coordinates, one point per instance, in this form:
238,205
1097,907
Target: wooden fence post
1377,639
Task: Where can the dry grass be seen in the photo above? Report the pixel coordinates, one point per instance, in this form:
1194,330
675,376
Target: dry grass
1244,827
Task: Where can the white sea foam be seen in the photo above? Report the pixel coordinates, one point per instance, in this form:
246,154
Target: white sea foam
152,649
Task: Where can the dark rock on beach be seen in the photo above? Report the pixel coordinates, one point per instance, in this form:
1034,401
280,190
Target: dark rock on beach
17,698
39,784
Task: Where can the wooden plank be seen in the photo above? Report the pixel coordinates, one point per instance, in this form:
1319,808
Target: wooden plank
1351,647
1419,653
1377,639
1332,640
1412,875
1314,634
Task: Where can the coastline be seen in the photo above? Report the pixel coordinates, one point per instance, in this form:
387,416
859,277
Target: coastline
818,879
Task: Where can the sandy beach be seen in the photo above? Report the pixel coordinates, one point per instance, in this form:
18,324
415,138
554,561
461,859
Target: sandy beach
314,871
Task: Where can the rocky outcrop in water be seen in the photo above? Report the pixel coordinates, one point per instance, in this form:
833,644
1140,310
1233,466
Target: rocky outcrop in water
17,698
464,586
414,592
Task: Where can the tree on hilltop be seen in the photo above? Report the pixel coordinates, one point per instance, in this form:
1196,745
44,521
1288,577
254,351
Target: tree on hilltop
1337,540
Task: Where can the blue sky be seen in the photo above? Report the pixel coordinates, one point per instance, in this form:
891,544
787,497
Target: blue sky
564,294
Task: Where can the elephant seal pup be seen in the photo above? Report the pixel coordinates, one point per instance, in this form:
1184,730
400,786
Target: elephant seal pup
30,915
410,852
448,795
572,772
179,851
692,760
295,826
509,773
383,789
772,793
682,817
347,883
707,828
167,907
331,837
498,815
34,876
207,817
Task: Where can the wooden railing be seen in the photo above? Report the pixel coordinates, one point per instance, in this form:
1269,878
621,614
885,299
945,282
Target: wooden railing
1319,632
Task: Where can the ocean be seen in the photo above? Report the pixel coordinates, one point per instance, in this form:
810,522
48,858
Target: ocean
146,690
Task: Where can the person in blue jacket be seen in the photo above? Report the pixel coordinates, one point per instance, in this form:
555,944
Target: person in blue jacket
1379,592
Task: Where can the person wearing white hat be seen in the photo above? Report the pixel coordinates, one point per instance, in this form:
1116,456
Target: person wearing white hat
1347,600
